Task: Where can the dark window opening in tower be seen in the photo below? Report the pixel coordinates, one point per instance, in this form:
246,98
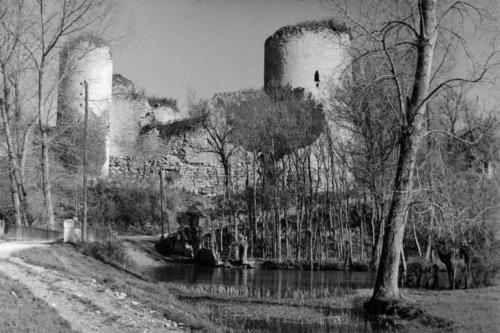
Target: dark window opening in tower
316,78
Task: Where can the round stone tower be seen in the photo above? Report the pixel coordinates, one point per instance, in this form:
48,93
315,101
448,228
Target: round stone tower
87,58
312,55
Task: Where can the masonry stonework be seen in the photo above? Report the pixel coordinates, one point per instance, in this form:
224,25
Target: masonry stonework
310,57
186,156
313,58
86,59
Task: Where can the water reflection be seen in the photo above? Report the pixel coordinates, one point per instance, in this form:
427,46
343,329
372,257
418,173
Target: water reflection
276,283
333,321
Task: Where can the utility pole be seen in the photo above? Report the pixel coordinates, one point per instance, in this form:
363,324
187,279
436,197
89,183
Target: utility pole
85,123
161,203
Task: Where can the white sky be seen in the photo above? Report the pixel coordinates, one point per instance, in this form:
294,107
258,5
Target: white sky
209,46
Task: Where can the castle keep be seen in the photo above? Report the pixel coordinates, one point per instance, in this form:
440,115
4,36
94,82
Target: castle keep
85,59
313,56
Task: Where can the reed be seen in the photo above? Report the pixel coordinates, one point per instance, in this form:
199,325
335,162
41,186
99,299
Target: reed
260,293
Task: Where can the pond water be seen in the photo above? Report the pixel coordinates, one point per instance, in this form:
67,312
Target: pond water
305,321
267,282
242,316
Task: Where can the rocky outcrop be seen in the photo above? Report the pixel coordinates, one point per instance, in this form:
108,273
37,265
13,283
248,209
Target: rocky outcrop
174,244
207,257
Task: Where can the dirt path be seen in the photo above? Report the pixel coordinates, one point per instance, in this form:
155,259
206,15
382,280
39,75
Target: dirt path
85,303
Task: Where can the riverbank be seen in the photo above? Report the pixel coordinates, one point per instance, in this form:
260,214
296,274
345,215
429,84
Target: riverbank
99,297
472,310
213,309
21,311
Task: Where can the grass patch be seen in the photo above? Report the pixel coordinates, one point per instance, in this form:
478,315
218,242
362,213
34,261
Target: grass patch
109,251
295,295
211,308
154,296
20,311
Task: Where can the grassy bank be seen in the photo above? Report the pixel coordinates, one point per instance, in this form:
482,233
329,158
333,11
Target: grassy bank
20,311
155,296
210,308
474,310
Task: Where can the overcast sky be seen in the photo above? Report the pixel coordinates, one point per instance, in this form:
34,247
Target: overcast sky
208,46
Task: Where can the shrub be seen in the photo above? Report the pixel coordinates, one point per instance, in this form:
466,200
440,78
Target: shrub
125,205
67,142
155,101
106,251
484,269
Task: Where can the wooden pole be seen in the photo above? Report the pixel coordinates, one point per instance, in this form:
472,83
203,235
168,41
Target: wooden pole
161,204
85,124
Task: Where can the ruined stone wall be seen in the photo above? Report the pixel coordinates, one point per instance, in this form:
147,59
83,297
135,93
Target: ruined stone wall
292,57
130,114
185,156
186,160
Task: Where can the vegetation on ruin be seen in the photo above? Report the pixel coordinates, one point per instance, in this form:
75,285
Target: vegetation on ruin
328,24
67,143
180,127
89,37
155,101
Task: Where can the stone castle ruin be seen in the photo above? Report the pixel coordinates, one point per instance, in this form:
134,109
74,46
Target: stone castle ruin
85,59
312,56
136,126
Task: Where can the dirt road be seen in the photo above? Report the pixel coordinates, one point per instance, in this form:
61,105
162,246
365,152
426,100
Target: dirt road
88,305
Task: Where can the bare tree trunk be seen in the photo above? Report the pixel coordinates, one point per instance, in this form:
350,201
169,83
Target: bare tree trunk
403,259
45,160
15,198
428,249
12,156
299,214
22,155
277,221
416,239
254,190
386,285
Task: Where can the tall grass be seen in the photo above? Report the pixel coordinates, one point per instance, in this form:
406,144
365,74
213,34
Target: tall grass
260,293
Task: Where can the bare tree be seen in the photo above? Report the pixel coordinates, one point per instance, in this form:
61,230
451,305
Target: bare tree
16,120
423,33
51,23
7,67
456,184
217,126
